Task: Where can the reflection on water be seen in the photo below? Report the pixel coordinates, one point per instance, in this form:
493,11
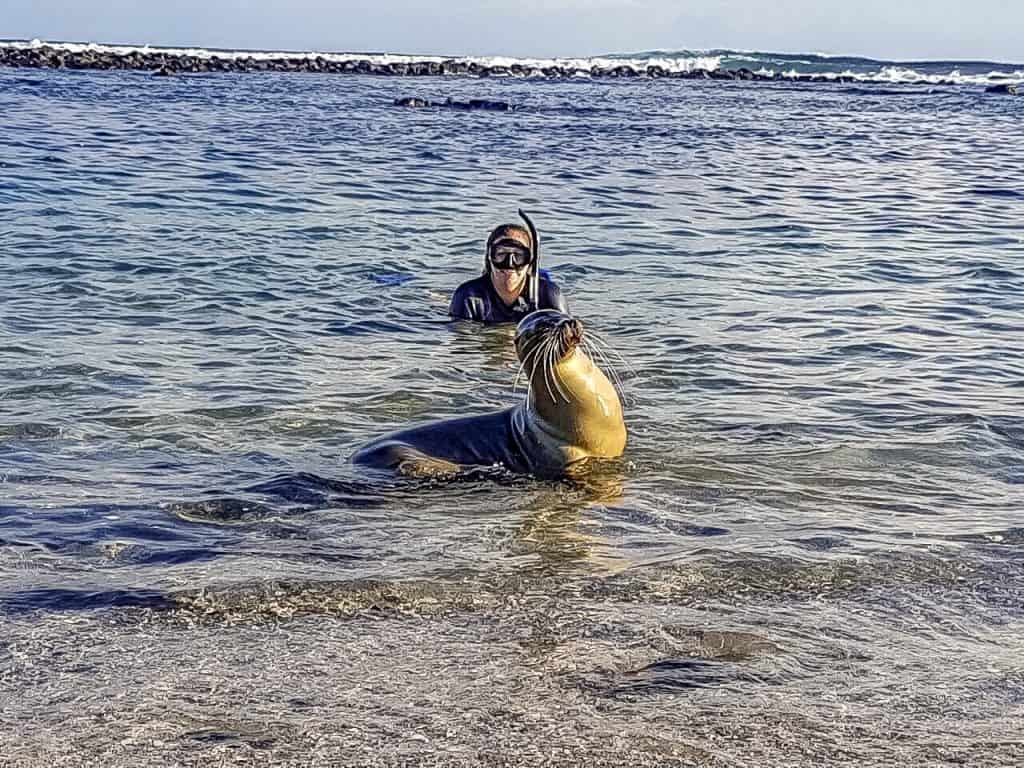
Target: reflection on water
214,289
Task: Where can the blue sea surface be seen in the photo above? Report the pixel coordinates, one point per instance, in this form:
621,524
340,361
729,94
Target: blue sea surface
215,288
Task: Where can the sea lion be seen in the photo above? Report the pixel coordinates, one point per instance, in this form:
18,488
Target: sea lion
571,413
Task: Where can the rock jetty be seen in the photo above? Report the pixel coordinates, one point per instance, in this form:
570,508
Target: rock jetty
165,63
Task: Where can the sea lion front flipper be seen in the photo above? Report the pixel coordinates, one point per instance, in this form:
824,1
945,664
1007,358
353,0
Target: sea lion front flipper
406,460
416,464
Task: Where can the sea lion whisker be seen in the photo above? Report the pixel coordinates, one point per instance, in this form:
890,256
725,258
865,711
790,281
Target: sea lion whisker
537,361
555,376
610,362
608,347
521,368
519,373
605,364
545,367
530,358
595,355
599,339
614,375
553,359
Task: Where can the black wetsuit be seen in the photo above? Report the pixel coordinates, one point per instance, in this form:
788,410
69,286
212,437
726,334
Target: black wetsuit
477,300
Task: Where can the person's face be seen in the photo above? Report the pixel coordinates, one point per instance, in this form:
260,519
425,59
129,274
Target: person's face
509,268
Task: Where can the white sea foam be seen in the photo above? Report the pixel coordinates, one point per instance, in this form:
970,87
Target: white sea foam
896,74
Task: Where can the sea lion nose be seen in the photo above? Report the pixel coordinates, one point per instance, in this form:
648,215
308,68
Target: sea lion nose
572,332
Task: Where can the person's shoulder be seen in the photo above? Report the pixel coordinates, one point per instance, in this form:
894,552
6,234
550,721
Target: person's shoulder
468,300
472,287
546,280
551,294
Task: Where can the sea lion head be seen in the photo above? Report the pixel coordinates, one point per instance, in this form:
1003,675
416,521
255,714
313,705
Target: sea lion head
547,333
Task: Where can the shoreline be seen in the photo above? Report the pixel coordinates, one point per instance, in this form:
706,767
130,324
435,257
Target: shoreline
164,63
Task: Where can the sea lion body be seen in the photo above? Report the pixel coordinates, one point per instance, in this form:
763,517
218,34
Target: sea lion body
572,412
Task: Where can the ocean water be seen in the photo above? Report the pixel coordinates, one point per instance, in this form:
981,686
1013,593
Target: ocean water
214,289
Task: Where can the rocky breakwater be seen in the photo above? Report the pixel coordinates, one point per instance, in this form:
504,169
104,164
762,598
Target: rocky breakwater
167,63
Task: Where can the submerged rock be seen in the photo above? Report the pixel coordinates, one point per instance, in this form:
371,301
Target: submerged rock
411,101
473,104
485,104
1010,89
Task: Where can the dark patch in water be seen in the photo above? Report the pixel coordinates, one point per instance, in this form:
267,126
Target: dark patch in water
855,91
282,599
315,491
392,279
78,600
1010,537
223,511
367,328
783,579
996,192
680,527
722,645
821,543
670,675
242,412
28,430
224,736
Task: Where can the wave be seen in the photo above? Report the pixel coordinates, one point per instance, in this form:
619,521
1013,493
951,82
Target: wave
861,68
770,64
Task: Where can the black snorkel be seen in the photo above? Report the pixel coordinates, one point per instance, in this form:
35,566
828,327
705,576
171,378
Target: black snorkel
533,283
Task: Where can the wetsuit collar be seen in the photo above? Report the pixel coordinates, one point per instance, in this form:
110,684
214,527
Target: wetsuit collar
519,305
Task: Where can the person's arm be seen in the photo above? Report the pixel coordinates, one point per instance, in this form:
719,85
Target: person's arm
464,306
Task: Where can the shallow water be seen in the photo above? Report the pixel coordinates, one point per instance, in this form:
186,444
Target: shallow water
215,288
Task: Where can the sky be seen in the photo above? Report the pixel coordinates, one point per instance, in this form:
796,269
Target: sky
888,29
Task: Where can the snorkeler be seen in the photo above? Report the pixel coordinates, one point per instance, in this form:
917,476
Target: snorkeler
512,285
